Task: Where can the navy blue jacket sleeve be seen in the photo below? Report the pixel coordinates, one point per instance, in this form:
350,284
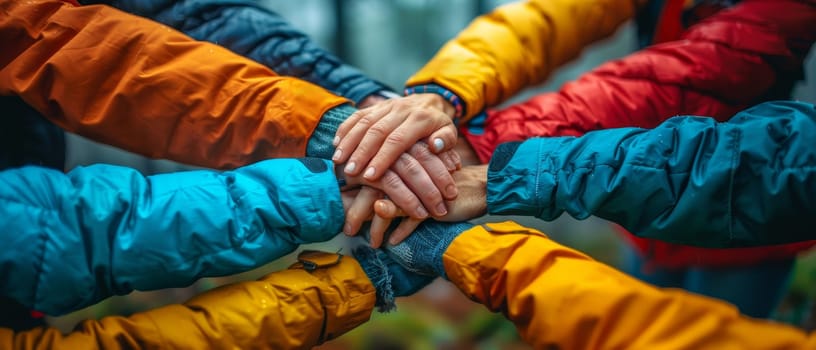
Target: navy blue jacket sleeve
249,29
71,240
746,182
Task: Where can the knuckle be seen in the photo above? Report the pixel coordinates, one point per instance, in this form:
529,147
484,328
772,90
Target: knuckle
421,151
363,150
356,115
401,196
444,176
432,194
449,133
392,181
353,216
402,102
377,131
409,166
396,138
364,120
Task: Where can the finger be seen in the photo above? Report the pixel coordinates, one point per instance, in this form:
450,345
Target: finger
372,139
447,158
397,142
412,173
346,125
401,195
443,139
385,208
348,197
361,209
436,170
338,156
365,138
405,228
457,159
379,226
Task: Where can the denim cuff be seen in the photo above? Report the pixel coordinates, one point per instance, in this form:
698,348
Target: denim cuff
320,144
422,251
378,274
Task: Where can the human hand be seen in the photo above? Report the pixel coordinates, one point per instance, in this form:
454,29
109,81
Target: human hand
370,101
407,182
470,203
466,152
374,138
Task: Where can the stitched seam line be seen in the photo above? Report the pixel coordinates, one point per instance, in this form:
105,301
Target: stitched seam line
730,211
43,240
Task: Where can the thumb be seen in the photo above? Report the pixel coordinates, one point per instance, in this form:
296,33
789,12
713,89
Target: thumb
386,209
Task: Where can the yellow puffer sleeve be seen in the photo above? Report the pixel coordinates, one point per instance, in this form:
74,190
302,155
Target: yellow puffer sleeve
290,309
562,299
519,45
139,85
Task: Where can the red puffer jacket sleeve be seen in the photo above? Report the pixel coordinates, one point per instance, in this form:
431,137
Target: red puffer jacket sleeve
735,59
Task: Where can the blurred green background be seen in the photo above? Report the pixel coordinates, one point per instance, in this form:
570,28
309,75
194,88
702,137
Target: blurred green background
408,33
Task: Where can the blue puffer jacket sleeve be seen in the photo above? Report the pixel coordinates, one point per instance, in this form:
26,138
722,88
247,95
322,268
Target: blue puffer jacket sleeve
249,29
71,240
746,182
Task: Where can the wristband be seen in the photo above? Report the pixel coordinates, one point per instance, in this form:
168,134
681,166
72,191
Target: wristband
441,91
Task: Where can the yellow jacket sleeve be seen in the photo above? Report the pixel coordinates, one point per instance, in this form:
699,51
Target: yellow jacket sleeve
519,45
560,298
136,84
290,309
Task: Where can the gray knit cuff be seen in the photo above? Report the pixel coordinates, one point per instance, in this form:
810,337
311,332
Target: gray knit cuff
320,144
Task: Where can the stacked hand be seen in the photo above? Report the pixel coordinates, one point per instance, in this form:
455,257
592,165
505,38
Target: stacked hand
374,138
390,140
412,183
471,203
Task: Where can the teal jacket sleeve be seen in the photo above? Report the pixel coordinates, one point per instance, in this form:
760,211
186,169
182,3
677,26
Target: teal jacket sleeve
746,182
71,240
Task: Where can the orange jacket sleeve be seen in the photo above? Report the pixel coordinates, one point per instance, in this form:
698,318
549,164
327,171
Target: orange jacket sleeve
560,298
136,84
290,309
519,45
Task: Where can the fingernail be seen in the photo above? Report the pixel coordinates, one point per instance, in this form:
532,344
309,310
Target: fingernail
451,191
336,141
350,167
369,173
393,241
337,154
439,144
441,210
347,229
422,212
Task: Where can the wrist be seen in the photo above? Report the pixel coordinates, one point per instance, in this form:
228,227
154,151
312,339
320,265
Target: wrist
449,97
439,102
379,276
480,177
377,97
